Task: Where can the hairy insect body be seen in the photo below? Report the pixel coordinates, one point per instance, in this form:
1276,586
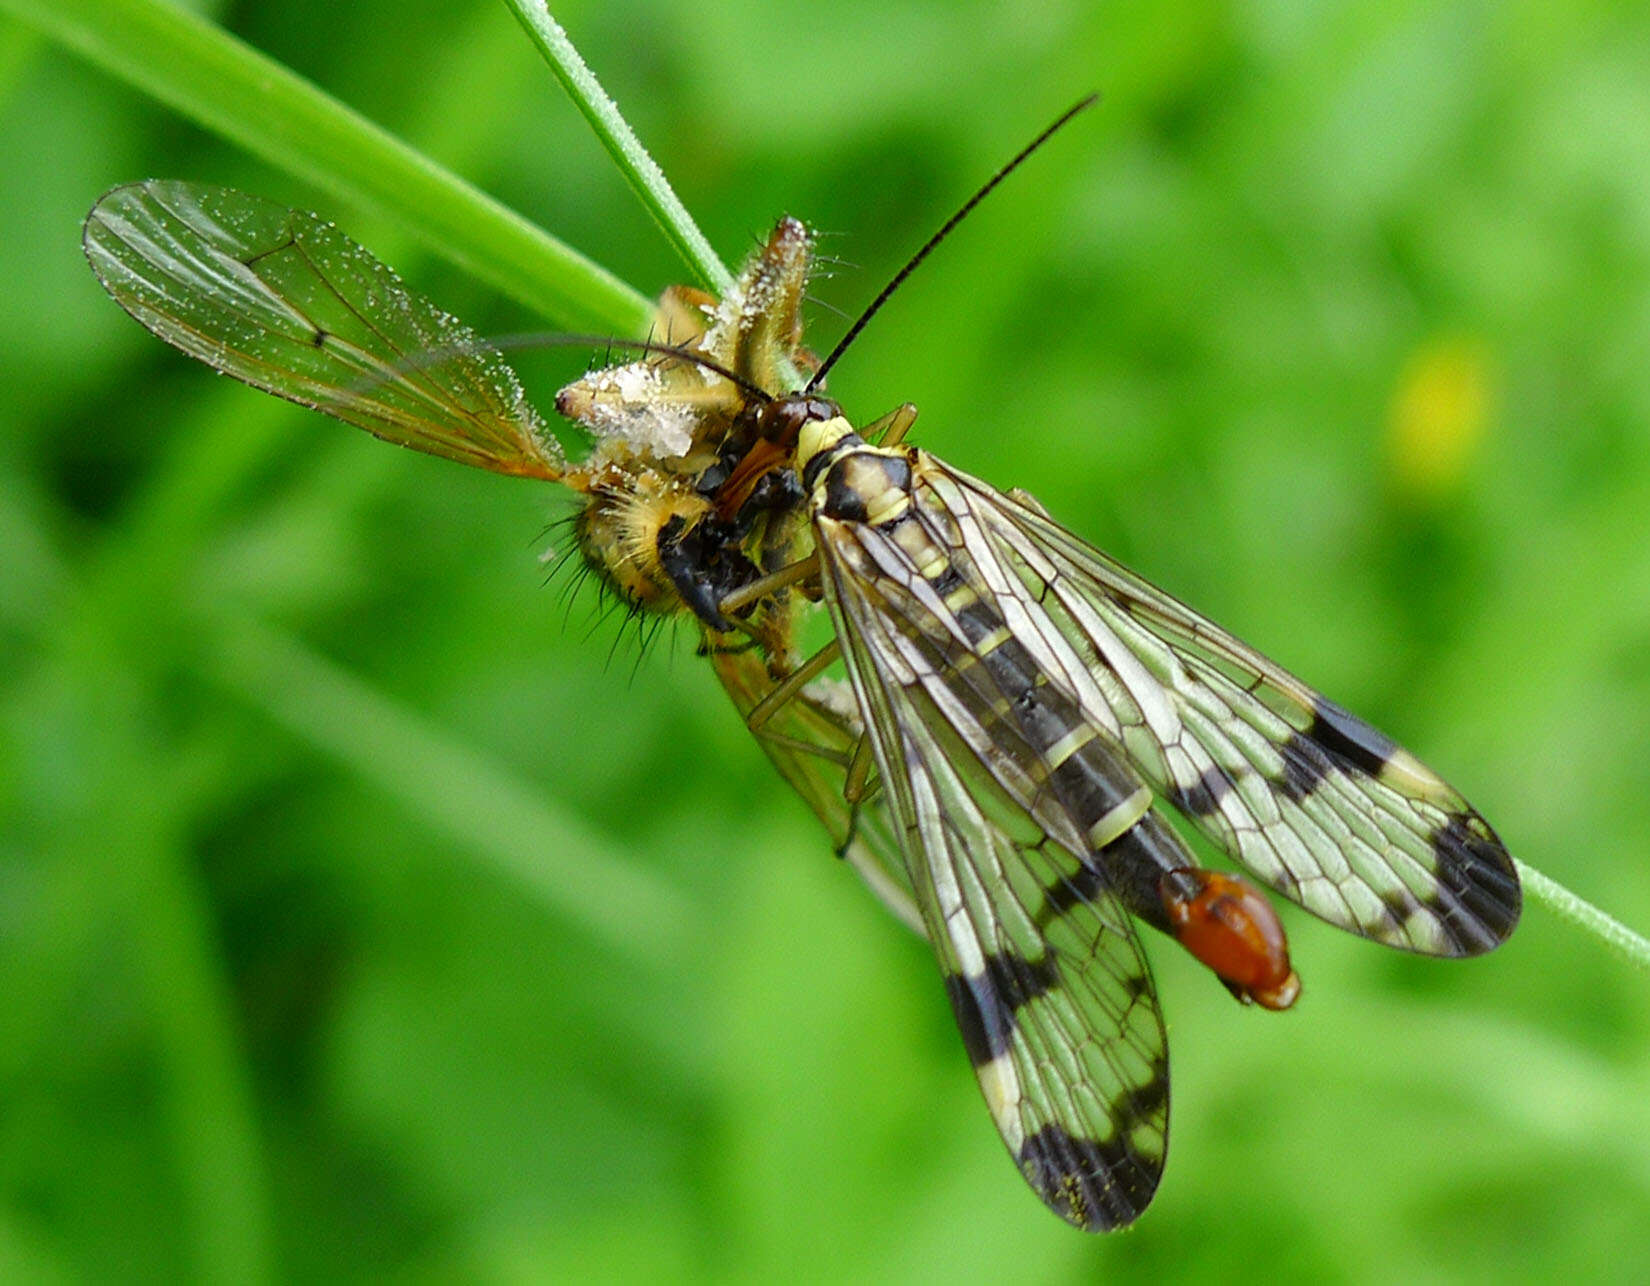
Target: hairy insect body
690,495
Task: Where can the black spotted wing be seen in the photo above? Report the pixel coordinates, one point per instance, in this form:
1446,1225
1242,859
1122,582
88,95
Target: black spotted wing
1042,963
1317,804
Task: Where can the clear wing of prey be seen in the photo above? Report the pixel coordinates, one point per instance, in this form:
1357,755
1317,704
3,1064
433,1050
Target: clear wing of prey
1029,700
811,740
285,302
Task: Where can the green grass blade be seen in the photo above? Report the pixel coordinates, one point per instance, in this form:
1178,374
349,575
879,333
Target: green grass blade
640,169
1583,915
226,86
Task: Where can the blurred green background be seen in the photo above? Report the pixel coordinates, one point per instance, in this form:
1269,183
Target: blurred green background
367,909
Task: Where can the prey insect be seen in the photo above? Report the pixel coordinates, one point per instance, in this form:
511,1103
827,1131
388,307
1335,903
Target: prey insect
1018,707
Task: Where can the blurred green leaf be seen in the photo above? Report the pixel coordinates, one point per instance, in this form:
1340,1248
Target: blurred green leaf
1330,320
207,75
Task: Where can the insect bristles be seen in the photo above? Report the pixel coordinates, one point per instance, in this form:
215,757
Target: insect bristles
483,346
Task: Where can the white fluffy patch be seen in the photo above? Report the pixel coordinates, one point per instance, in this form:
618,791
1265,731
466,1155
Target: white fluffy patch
630,404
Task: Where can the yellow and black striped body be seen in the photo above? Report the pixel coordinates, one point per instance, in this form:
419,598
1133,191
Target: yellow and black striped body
1098,841
1071,780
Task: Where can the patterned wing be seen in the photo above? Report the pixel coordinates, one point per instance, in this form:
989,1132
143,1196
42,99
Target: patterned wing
1316,803
1046,976
283,301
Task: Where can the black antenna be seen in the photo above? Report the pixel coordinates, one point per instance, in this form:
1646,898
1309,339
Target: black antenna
945,231
556,339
